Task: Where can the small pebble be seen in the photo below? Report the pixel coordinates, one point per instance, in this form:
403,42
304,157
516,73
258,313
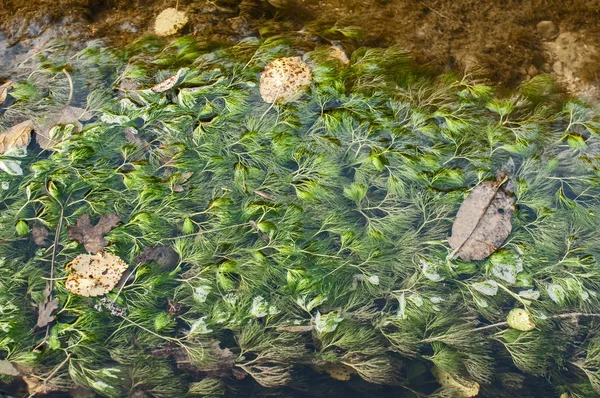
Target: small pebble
547,30
557,67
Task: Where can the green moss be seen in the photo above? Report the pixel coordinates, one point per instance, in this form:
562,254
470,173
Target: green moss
311,232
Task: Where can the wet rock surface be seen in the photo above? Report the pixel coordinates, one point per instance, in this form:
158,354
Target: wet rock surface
505,45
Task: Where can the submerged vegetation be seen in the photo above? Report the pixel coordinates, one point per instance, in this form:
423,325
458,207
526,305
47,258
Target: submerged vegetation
296,247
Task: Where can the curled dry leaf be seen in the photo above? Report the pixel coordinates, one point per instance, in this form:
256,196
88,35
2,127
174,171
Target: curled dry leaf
68,115
168,83
92,236
18,136
483,221
4,91
282,79
94,275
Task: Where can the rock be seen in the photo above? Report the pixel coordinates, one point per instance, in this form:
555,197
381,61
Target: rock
129,27
532,70
169,22
547,30
546,67
557,67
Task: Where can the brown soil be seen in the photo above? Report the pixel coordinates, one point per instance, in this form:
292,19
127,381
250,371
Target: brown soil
496,40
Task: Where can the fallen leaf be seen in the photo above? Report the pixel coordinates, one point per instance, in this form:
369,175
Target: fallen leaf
4,91
46,308
483,221
168,83
92,236
68,115
94,275
40,235
18,136
37,386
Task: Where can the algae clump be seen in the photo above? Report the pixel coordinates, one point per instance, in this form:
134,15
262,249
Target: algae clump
300,233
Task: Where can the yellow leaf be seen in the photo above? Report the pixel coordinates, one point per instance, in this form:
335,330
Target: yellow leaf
18,136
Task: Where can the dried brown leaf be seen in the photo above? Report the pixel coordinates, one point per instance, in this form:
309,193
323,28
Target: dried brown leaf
68,115
46,308
4,91
37,386
18,136
92,236
483,221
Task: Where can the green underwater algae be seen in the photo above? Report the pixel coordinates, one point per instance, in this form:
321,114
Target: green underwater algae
271,246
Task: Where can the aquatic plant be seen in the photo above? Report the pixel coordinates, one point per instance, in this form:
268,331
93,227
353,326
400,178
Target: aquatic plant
298,246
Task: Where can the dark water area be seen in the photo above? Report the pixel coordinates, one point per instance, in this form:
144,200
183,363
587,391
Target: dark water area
299,198
504,42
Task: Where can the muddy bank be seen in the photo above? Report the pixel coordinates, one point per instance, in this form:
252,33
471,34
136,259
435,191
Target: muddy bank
505,43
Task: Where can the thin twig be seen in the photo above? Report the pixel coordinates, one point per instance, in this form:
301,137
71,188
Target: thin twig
503,324
166,338
494,325
54,248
